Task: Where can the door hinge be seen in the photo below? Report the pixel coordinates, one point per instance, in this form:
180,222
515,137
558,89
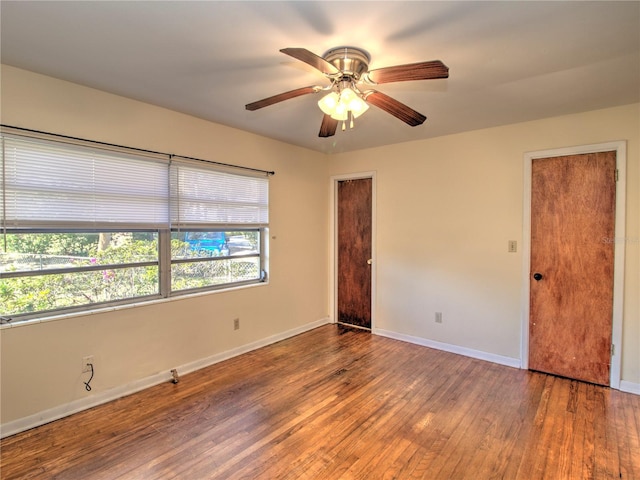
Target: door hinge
616,174
613,349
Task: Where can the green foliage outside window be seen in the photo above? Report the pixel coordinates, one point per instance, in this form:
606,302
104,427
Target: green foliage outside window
40,253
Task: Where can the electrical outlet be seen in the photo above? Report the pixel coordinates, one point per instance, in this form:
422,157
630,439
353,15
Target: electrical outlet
438,317
85,363
236,324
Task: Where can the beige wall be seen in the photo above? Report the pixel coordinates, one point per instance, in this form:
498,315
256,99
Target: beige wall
41,362
446,208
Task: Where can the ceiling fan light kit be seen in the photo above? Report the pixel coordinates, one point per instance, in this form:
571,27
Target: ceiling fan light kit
342,104
347,68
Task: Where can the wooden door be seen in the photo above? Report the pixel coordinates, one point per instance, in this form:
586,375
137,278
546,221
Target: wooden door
572,257
354,252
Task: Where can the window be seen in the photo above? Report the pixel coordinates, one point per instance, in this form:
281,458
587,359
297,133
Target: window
65,270
84,227
206,258
210,212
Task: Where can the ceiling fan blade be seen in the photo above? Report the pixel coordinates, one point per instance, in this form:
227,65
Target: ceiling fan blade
265,102
312,59
413,71
394,107
328,127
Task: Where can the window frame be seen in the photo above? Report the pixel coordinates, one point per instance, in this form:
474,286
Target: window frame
164,260
260,255
81,269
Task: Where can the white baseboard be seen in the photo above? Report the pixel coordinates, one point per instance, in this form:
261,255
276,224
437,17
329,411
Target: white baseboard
625,386
46,416
629,387
467,352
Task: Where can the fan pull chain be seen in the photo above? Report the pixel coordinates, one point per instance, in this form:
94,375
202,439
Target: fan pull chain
349,119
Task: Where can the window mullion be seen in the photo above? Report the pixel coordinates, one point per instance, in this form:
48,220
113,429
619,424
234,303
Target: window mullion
164,255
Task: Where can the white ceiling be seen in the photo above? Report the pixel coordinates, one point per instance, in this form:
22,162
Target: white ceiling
509,61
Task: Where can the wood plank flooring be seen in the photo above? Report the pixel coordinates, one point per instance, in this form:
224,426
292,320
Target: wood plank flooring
337,403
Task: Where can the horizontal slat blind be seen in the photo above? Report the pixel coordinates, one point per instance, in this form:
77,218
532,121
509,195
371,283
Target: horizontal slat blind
203,197
45,184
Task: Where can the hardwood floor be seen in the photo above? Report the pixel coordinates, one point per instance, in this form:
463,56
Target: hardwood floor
336,403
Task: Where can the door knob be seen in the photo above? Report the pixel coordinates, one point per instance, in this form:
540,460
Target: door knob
537,277
369,262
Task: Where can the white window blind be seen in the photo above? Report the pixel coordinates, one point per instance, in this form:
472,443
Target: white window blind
202,197
46,184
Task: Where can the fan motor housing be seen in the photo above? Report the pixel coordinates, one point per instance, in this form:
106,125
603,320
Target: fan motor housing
350,61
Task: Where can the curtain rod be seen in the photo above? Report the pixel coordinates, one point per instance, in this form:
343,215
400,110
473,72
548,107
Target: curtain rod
141,150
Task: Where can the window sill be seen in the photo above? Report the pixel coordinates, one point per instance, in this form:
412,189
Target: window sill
85,313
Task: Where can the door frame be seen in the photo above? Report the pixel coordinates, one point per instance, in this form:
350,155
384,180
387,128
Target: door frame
620,147
333,242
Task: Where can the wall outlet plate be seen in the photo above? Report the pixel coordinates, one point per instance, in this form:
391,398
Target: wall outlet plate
85,363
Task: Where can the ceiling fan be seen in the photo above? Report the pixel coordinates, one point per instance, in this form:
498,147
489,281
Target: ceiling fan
348,70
